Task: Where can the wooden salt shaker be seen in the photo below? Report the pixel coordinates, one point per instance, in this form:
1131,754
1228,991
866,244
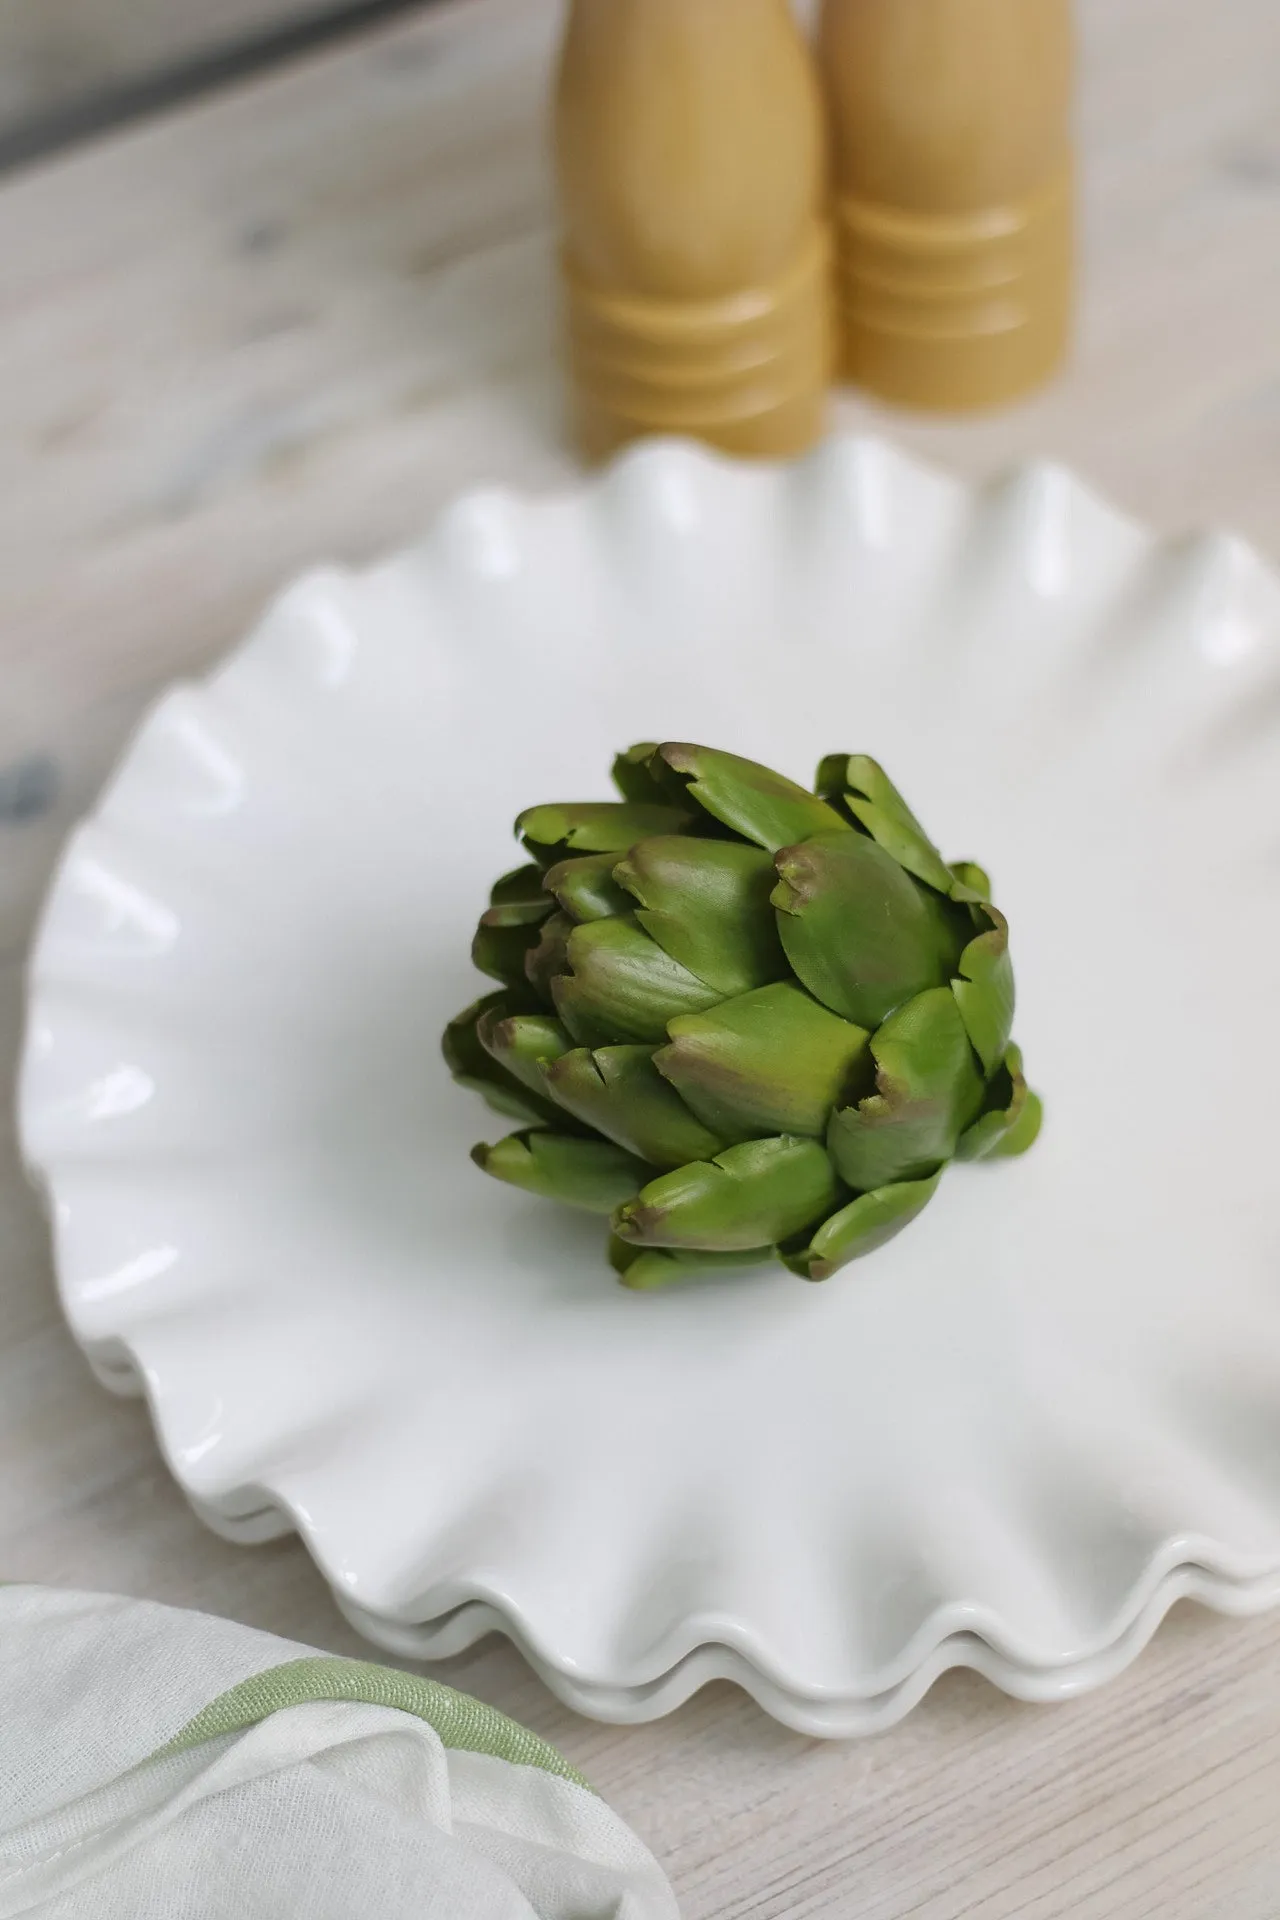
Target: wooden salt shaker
690,153
954,194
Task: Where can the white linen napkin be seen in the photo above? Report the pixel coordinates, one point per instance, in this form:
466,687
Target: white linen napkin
156,1763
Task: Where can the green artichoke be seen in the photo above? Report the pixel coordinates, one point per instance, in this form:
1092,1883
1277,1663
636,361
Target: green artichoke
742,1019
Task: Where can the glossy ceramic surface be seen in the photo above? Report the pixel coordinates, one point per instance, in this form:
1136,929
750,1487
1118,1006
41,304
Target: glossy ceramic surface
1009,1439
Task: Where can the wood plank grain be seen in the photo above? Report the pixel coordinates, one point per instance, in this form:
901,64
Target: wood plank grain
286,325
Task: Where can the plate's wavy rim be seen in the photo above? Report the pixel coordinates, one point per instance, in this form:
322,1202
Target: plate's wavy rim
851,1717
618,1703
953,1634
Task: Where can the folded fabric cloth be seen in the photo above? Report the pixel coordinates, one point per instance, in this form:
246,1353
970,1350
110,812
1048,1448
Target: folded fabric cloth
160,1763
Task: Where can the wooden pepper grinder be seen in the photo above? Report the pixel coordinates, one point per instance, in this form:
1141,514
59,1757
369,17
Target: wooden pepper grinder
690,151
954,194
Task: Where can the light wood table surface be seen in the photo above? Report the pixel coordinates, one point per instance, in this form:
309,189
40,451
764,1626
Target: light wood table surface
286,324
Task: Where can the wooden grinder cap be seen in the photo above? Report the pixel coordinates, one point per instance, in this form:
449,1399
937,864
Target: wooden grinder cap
954,194
690,154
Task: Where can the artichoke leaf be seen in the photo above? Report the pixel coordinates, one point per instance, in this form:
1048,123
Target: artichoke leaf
474,1068
860,1227
640,777
859,932
706,903
549,955
592,1174
928,1090
751,1195
504,939
752,800
841,775
646,1269
984,992
521,884
771,1061
520,1042
913,853
972,882
619,1092
1011,1117
554,833
1024,1129
585,888
518,913
622,986
875,803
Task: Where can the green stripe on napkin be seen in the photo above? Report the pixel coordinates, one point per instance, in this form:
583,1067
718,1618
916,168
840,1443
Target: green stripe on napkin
460,1721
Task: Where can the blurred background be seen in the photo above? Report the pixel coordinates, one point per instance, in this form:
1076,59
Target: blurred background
68,66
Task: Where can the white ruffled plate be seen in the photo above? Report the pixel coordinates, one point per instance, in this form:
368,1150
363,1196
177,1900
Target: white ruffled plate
831,1716
1012,1436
